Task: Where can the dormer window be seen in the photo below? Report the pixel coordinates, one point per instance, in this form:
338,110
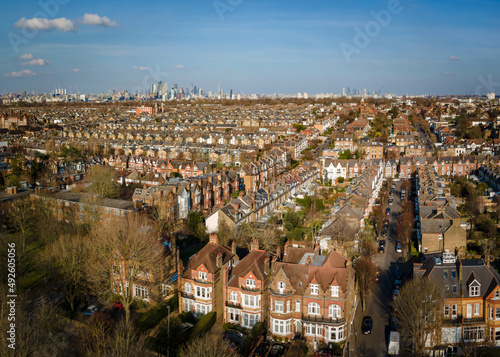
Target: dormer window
474,290
335,291
202,275
281,287
314,289
250,283
497,295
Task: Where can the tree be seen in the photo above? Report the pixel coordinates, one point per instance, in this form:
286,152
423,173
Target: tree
418,312
21,217
67,258
103,182
161,215
207,346
341,231
127,342
365,273
195,225
126,254
291,220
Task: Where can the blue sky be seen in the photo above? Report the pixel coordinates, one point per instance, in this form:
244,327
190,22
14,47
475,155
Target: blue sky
250,46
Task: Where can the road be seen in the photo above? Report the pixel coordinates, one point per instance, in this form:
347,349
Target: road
378,306
425,138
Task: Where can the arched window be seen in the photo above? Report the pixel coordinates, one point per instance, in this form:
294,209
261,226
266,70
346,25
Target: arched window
334,311
187,288
313,308
234,296
281,287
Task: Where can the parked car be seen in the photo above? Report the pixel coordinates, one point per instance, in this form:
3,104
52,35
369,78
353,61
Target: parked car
388,211
377,276
367,325
119,304
89,311
398,274
397,283
234,336
324,352
261,350
277,350
395,294
381,249
384,232
399,249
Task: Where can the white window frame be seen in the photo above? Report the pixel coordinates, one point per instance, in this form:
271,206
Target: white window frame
250,283
334,311
234,315
188,289
202,275
335,291
233,297
280,327
314,289
278,306
297,305
476,309
474,290
250,300
313,308
249,320
203,292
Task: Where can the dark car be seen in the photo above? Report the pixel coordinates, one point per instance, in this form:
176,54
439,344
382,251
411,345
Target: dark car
384,232
234,336
398,274
388,211
377,276
277,350
397,283
324,352
367,325
381,249
381,243
261,350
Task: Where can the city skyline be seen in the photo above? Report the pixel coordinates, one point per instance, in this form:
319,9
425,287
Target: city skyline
404,47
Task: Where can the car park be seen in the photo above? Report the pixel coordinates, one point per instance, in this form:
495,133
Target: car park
367,325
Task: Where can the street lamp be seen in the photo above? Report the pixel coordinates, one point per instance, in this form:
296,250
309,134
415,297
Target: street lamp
168,331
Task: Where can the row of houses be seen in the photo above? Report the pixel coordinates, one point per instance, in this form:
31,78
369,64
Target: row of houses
297,292
405,167
439,227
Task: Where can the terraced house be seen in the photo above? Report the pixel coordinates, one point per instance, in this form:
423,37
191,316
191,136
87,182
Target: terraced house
471,307
312,295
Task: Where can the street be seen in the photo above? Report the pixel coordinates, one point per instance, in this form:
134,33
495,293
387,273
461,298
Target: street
378,307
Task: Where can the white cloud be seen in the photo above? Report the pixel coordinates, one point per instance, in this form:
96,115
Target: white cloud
26,72
26,56
178,66
76,70
141,68
38,23
36,62
96,20
446,74
454,58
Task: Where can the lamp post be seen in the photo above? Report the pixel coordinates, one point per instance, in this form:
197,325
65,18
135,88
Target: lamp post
168,331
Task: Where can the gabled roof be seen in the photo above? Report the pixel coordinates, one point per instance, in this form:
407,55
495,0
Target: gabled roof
207,256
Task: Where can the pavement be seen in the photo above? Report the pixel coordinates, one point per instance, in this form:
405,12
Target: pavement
378,306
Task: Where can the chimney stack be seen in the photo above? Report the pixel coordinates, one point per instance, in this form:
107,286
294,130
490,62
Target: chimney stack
254,245
286,249
278,252
233,247
213,238
219,260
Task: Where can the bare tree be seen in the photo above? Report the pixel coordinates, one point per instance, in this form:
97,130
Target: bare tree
125,254
341,230
418,309
127,342
96,335
365,273
207,346
103,181
67,259
21,217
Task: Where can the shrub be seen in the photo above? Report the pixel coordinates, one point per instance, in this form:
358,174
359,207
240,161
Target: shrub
151,318
204,325
230,326
340,180
255,332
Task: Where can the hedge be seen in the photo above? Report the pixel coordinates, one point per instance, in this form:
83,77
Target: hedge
246,346
151,318
204,325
